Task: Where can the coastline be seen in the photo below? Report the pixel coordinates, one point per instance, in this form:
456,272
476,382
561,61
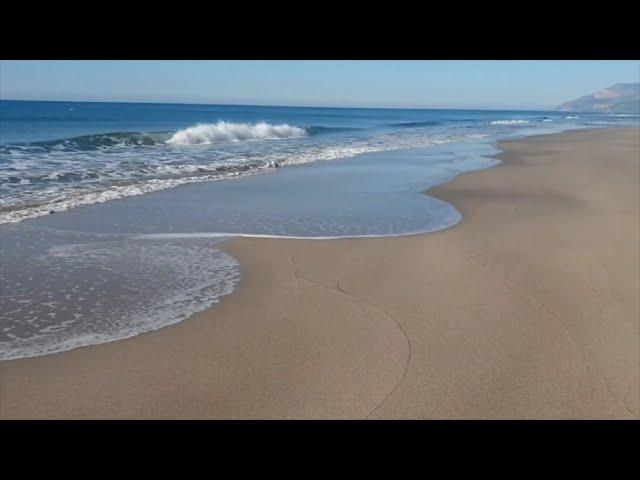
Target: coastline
525,309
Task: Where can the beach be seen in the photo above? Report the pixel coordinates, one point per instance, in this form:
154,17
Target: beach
526,309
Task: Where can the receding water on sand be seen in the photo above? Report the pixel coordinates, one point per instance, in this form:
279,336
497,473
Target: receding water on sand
62,290
369,195
109,271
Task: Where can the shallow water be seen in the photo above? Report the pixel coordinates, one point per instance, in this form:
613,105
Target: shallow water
67,289
109,271
373,194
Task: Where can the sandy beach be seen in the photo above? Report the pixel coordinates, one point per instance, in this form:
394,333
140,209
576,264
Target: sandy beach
527,309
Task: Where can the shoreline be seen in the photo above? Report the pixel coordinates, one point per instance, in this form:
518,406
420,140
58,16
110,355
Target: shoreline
310,333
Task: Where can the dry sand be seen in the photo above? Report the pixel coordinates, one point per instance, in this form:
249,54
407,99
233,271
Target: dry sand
526,309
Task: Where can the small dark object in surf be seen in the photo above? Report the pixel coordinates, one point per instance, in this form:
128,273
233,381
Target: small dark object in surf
51,211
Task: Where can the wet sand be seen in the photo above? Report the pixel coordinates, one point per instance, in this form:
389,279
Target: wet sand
528,308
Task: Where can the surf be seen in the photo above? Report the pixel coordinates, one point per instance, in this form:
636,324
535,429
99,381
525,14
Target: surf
228,132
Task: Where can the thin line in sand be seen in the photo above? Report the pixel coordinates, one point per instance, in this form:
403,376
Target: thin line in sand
341,290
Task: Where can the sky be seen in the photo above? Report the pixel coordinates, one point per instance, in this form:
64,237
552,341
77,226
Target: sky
403,84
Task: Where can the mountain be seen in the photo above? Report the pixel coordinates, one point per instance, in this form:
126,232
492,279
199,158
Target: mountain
620,98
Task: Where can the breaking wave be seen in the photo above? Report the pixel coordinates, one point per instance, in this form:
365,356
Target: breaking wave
225,132
202,134
509,122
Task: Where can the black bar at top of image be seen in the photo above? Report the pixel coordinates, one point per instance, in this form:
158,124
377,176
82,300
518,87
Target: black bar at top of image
320,31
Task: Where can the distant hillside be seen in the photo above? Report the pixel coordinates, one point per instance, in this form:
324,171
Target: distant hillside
620,98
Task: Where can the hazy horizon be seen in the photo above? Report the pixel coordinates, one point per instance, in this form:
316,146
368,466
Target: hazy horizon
460,85
266,105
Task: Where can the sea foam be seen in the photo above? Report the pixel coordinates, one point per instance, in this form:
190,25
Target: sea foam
70,289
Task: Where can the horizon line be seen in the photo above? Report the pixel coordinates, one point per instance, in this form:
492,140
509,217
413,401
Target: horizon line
539,109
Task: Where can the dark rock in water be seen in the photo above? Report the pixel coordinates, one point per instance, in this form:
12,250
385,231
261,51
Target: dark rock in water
51,211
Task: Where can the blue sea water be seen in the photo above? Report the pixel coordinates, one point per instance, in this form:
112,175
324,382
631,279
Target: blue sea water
143,192
60,155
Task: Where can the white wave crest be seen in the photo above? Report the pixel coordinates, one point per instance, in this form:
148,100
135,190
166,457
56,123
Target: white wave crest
225,132
509,122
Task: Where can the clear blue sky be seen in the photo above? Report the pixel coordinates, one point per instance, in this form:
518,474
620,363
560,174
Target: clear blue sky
436,84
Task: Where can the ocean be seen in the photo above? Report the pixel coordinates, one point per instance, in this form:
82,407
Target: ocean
110,213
